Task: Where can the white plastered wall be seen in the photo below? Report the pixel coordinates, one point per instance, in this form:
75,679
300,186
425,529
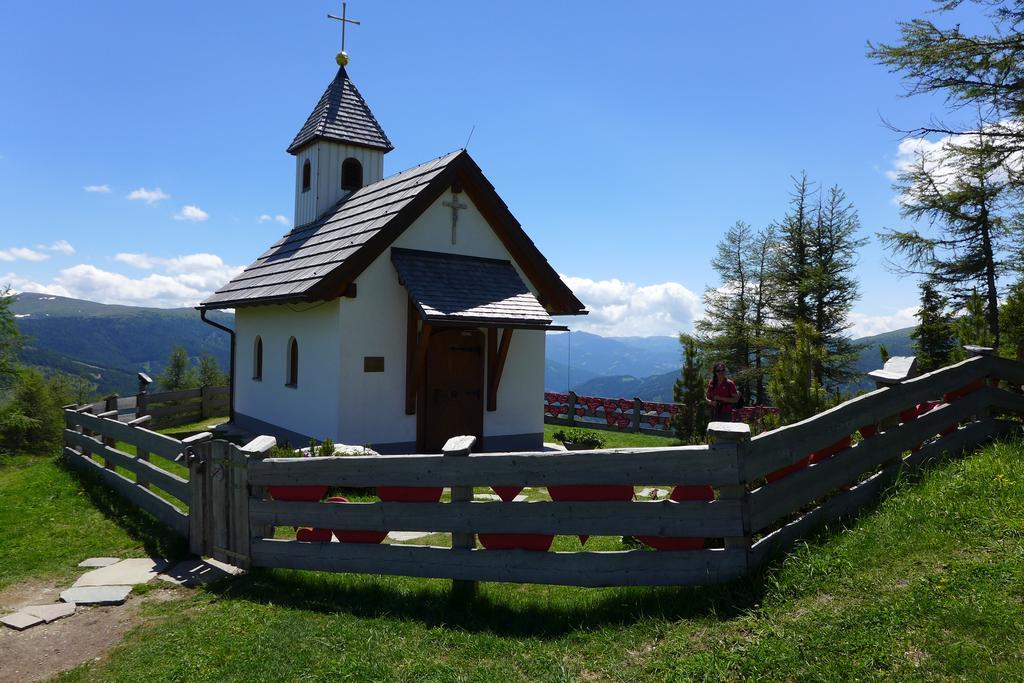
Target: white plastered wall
374,324
312,406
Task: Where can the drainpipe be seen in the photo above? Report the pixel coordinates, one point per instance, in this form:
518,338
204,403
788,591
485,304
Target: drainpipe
231,370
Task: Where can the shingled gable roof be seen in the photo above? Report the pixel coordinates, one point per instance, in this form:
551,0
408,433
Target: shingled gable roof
342,115
447,288
319,260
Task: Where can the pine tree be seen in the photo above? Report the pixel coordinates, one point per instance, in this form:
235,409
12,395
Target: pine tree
972,327
692,419
10,339
1012,321
793,386
209,372
812,278
935,336
30,421
760,331
883,354
726,326
178,374
833,289
962,191
982,72
791,260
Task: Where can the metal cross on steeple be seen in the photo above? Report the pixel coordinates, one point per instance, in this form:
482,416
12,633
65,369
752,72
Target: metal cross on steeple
342,56
455,205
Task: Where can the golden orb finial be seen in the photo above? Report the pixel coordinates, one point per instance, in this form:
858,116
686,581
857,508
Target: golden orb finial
342,58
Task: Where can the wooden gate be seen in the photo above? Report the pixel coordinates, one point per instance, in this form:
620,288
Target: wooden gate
219,515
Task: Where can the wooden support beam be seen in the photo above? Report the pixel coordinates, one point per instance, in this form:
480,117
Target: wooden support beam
416,358
496,363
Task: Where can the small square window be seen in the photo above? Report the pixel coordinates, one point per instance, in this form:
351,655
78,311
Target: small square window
373,364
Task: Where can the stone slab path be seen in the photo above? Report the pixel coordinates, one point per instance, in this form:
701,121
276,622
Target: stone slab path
99,561
123,573
49,613
20,621
96,595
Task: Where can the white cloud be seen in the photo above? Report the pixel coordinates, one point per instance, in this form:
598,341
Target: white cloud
864,325
184,281
283,220
102,189
935,153
60,246
22,254
143,261
191,213
151,197
623,309
205,272
20,284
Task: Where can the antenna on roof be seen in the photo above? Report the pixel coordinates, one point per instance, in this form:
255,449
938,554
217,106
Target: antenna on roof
466,146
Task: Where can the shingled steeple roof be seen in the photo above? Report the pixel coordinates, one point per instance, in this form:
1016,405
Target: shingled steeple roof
342,115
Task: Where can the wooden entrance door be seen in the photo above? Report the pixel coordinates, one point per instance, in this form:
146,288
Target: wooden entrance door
453,396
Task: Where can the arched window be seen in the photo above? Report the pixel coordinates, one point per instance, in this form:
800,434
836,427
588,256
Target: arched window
306,175
257,359
351,174
293,363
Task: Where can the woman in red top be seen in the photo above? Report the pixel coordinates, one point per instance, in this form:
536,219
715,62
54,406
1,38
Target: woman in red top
722,394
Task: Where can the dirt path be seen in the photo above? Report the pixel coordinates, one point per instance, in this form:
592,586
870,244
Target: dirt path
42,651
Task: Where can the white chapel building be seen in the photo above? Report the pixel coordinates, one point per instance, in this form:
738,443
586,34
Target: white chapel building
399,311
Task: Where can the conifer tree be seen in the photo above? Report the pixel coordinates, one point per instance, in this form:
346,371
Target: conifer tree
833,289
760,330
178,374
692,419
935,337
726,326
209,372
982,72
10,339
962,191
793,386
812,278
972,327
1012,321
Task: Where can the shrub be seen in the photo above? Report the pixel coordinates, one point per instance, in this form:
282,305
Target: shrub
581,437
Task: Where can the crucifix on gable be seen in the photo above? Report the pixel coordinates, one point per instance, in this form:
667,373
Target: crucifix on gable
455,205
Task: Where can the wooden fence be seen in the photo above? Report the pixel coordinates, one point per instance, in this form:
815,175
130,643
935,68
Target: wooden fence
741,499
627,414
170,408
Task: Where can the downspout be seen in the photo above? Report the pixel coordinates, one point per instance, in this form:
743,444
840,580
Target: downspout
231,370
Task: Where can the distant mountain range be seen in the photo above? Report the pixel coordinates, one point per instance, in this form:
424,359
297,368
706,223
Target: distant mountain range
648,366
109,344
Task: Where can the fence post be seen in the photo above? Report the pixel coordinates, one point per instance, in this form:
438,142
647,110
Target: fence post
638,408
199,508
205,399
460,447
571,415
110,405
257,449
731,440
140,452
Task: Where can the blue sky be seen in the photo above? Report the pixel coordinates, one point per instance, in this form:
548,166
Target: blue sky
626,137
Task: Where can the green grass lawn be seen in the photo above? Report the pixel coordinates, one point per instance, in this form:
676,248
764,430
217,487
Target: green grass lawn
930,585
51,519
619,439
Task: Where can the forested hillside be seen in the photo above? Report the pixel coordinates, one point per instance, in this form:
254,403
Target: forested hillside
109,344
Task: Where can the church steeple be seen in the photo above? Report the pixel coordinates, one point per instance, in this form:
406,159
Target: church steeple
340,148
342,115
